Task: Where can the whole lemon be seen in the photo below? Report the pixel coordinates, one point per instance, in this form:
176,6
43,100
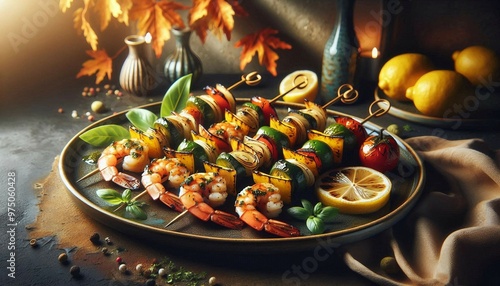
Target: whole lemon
437,91
401,72
477,63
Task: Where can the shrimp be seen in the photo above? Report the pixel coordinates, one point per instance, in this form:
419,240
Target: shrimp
226,130
160,170
201,192
258,203
133,154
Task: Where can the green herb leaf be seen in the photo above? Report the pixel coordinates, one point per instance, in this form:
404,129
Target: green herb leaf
105,135
136,211
126,195
328,214
141,118
176,96
315,225
307,205
317,208
111,196
299,213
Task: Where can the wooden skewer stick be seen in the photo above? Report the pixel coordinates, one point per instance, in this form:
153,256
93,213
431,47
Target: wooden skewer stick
378,112
95,171
176,218
300,85
251,79
91,173
346,93
139,195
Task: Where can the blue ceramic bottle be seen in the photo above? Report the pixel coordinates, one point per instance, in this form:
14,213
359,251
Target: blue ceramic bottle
340,53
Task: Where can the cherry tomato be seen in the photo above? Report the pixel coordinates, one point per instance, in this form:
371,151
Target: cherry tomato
267,108
379,152
218,97
353,125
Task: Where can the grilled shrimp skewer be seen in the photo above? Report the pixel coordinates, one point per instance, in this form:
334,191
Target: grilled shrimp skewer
201,192
134,155
258,203
169,170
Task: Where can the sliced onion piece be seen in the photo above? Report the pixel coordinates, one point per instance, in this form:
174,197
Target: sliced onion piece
228,95
209,150
307,172
215,107
248,160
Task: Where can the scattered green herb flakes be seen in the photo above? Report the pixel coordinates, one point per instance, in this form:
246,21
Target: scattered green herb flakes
105,135
407,128
315,216
92,158
174,274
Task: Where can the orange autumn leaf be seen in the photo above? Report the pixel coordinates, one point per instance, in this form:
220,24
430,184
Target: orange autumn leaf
106,10
214,15
157,18
263,43
100,64
81,24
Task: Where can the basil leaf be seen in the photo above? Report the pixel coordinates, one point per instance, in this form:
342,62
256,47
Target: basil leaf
111,196
136,211
176,96
315,225
307,205
317,208
105,135
299,213
327,214
126,195
141,118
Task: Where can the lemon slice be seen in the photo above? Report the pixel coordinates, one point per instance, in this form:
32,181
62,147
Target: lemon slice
298,95
354,190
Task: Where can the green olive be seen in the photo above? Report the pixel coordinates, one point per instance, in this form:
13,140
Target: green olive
97,106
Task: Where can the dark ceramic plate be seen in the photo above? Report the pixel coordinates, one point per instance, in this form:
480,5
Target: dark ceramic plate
475,112
190,232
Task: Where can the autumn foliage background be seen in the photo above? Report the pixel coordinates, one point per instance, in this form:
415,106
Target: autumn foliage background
158,18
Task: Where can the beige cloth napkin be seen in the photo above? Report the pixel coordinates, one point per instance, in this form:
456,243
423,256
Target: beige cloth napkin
453,233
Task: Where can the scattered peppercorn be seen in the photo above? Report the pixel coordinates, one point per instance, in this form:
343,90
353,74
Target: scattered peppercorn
162,272
119,260
389,265
150,282
63,258
104,251
95,238
74,114
91,118
122,268
74,271
60,110
108,240
139,268
212,281
33,243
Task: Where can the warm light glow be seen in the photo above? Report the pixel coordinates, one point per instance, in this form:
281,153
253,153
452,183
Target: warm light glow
374,53
148,38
